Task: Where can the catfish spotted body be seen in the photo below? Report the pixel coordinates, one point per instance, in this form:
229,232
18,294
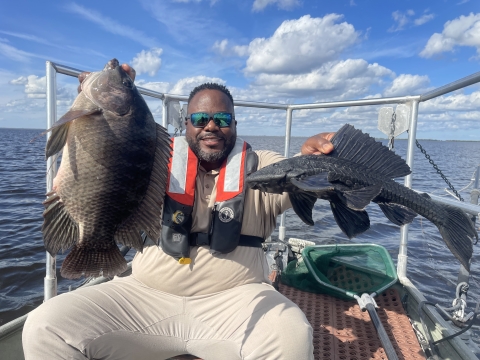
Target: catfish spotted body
360,170
111,181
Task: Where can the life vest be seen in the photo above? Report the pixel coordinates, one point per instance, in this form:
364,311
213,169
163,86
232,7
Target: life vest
227,214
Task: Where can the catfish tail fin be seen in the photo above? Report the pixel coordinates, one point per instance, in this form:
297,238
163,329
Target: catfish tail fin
458,232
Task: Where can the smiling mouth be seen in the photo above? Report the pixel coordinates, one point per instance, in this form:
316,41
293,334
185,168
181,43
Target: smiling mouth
212,140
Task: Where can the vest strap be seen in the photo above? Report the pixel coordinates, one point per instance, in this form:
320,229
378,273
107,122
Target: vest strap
200,239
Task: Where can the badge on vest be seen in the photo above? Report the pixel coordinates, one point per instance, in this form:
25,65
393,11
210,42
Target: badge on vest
225,214
178,217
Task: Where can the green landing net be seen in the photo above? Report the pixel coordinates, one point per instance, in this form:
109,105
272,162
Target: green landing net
342,270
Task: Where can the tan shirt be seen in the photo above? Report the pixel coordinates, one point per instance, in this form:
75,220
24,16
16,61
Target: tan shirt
209,273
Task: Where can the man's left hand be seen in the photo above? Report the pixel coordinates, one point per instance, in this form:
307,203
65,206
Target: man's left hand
318,144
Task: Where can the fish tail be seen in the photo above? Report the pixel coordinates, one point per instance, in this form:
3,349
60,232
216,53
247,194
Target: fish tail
89,261
458,232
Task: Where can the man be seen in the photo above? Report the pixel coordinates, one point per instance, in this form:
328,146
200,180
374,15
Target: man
213,299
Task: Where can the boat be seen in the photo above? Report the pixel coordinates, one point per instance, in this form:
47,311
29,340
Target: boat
405,325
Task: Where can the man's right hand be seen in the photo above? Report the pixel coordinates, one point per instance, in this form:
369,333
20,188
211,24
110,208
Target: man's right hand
128,69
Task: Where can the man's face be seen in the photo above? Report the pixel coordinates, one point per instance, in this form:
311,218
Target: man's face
211,144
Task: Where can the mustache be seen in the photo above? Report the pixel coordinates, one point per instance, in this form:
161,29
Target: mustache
210,136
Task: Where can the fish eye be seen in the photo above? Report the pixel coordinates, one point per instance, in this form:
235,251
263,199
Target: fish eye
127,83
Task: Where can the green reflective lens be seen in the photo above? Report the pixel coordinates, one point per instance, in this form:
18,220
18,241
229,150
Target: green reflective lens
201,119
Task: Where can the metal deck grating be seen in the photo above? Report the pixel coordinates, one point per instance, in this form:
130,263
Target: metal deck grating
342,331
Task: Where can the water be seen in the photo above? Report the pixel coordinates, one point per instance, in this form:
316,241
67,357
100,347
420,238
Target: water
431,266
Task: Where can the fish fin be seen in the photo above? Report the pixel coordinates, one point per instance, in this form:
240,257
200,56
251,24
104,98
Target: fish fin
312,183
302,204
351,222
147,218
59,130
73,114
352,144
458,232
93,261
57,140
397,214
59,230
128,236
358,199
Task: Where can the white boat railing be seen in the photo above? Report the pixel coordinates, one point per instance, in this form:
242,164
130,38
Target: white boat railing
411,101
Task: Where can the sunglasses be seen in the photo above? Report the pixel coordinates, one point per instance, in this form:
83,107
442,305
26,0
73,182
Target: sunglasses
201,119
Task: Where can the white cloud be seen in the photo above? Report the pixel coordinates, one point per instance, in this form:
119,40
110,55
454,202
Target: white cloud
347,79
423,19
147,61
407,84
26,37
401,19
36,87
181,87
111,25
175,20
22,80
240,50
15,54
33,100
40,40
454,102
298,46
259,5
462,31
222,47
161,87
185,86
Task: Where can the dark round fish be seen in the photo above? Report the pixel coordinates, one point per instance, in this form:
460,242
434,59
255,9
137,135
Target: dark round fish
358,171
111,182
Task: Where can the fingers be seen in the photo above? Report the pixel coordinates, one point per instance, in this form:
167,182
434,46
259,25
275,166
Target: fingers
129,70
318,144
81,78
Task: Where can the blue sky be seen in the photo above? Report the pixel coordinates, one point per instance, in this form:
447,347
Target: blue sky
285,51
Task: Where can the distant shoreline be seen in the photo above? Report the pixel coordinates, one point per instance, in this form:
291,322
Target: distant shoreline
240,135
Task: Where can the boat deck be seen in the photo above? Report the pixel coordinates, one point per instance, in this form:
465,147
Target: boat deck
342,331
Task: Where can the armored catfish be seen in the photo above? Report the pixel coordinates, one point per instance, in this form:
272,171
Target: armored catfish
111,182
358,171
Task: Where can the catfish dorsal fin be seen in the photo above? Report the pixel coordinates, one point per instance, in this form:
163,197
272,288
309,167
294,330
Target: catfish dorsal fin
352,144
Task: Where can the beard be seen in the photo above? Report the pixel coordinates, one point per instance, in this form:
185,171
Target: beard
194,144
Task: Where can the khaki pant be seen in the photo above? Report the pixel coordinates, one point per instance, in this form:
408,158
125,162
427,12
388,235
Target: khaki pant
124,319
